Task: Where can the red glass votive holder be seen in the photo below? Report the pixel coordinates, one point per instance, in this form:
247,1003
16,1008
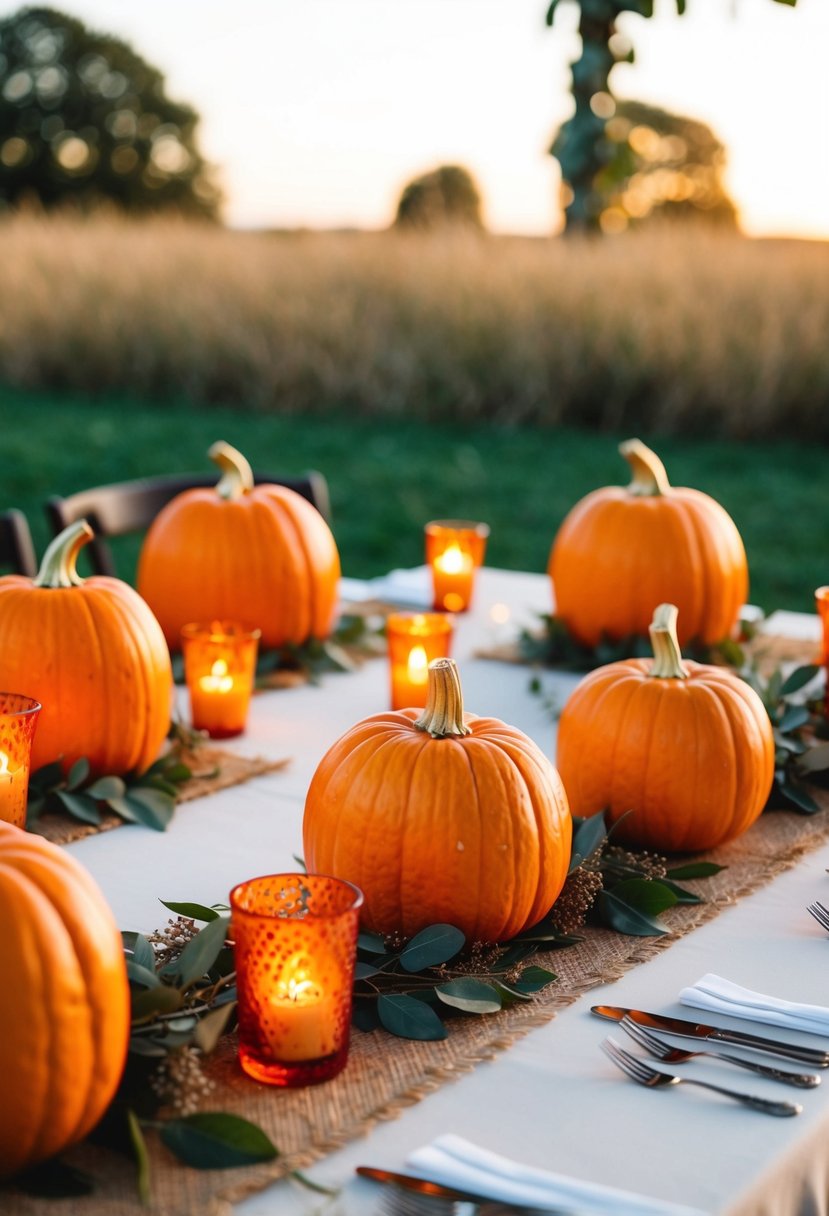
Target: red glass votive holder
219,666
415,638
18,720
822,605
454,550
295,939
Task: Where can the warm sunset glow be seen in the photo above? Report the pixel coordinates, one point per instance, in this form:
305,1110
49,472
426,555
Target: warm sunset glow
319,112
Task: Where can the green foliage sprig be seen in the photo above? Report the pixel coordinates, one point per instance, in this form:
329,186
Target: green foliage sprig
794,704
148,798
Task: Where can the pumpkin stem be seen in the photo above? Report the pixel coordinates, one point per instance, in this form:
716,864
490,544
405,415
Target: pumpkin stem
58,566
443,715
667,657
649,476
237,475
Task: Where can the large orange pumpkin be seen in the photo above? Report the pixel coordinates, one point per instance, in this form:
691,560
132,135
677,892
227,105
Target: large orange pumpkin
65,1012
257,554
441,817
684,751
93,654
621,551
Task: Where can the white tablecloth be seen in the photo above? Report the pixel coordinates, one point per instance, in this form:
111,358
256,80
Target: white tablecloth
552,1100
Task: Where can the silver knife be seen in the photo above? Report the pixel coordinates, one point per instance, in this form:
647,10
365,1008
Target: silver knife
716,1034
435,1190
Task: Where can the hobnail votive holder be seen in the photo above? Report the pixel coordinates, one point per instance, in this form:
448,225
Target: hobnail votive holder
18,721
295,940
414,640
219,667
454,550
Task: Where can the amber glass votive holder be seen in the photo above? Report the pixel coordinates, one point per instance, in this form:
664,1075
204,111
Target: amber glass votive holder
18,720
822,605
454,550
415,638
219,666
295,940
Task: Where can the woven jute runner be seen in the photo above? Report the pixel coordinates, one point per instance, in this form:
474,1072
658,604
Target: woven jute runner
385,1075
766,650
213,769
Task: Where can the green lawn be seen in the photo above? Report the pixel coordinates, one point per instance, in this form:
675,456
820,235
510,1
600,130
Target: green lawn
388,478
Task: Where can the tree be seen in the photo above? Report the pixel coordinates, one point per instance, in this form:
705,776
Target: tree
581,146
83,117
661,166
446,196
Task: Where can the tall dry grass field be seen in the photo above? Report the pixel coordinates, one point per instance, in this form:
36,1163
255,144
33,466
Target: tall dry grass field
676,330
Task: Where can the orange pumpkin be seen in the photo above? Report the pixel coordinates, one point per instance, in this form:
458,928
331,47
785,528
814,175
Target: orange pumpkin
683,750
606,582
443,817
260,555
93,654
65,1012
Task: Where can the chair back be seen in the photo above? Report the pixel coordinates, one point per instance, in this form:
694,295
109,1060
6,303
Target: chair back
131,506
17,552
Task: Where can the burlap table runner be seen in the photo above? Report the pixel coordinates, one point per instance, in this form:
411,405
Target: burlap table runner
385,1074
213,768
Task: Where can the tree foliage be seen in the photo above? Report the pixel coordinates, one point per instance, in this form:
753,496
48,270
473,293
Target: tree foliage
446,196
581,145
84,118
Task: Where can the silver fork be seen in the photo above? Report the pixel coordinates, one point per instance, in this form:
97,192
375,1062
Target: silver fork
395,1202
820,914
642,1072
660,1050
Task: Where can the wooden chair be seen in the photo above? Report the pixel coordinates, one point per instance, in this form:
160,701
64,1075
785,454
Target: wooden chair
17,553
130,506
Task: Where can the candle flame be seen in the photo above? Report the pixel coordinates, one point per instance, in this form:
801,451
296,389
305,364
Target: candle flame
219,668
5,771
418,665
453,561
499,614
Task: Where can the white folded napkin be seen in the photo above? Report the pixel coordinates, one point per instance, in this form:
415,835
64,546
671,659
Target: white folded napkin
409,588
453,1161
718,995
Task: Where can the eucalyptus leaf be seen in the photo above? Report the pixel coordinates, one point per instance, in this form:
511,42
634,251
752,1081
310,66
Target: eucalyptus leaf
371,943
211,1027
800,798
79,806
815,759
645,895
799,678
199,955
152,1047
142,1158
152,1001
407,1018
470,995
136,974
587,837
362,970
191,910
54,1179
533,979
139,949
159,806
107,787
215,1140
794,716
78,773
625,919
695,869
432,946
364,1016
682,896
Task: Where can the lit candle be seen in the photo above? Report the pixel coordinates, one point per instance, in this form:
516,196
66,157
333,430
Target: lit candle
414,640
219,662
295,945
18,719
454,550
822,604
302,1022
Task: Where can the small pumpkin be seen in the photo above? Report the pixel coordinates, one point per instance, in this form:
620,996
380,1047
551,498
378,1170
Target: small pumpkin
683,751
65,1012
91,651
257,554
621,551
441,817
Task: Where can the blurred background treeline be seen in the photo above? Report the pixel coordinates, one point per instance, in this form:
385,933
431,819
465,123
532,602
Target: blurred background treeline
431,368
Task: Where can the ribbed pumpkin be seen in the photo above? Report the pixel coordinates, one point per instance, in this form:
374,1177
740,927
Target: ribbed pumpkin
441,817
686,748
621,551
91,651
65,1012
257,554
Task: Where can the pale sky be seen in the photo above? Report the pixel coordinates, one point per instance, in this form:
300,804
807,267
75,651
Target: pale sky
318,111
